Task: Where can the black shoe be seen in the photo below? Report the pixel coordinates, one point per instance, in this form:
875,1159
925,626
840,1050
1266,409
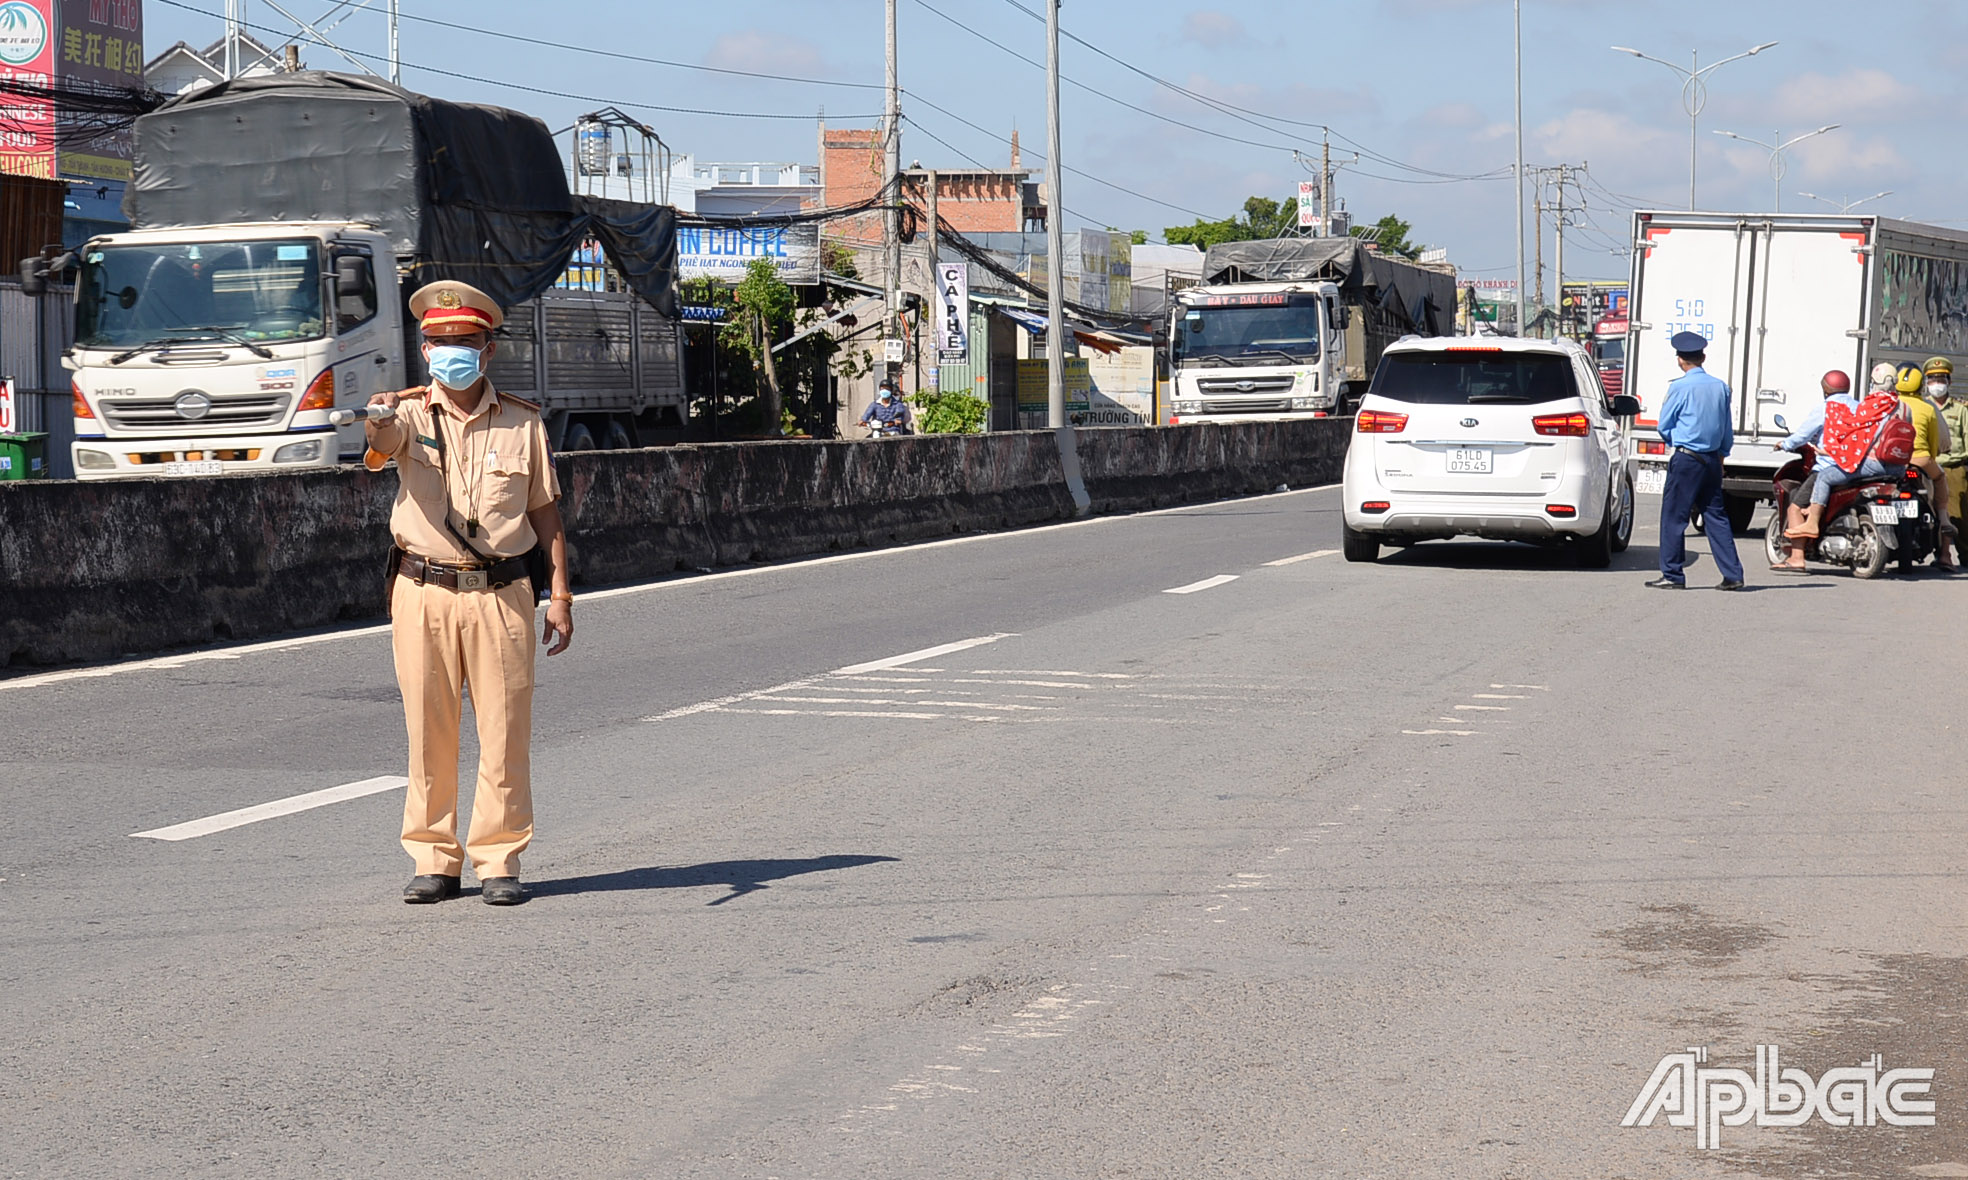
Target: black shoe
1667,584
431,887
501,891
1729,584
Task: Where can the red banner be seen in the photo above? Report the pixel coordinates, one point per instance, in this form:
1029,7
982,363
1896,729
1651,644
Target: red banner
27,53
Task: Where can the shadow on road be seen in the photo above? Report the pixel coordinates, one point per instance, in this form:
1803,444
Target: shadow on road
741,876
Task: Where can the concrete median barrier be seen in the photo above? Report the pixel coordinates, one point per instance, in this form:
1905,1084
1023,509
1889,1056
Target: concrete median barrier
92,571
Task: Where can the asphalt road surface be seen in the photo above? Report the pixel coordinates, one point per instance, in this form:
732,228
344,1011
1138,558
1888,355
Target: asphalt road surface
1003,858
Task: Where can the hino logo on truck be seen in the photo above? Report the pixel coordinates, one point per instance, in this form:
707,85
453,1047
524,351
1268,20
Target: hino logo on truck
192,405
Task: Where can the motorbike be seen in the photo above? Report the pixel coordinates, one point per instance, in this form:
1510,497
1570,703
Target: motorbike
886,429
1867,525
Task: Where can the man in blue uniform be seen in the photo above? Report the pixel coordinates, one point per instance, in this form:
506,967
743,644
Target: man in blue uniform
1694,423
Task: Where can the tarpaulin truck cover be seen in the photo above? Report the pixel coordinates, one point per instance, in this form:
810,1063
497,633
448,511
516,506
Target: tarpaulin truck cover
1423,299
465,192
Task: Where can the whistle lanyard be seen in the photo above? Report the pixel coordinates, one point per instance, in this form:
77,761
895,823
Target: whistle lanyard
439,417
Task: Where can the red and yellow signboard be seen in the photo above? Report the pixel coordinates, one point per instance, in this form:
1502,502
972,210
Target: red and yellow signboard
27,53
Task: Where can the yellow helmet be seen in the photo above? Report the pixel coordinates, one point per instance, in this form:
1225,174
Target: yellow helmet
1908,379
1938,364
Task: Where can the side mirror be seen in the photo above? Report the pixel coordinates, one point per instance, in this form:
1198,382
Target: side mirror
1626,406
1781,424
33,279
352,274
1161,339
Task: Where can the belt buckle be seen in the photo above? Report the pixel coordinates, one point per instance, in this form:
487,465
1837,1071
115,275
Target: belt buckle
472,579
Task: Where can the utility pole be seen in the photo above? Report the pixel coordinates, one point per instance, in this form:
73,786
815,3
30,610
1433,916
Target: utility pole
1517,9
1055,234
233,16
1325,182
892,169
1558,262
396,65
1537,209
935,237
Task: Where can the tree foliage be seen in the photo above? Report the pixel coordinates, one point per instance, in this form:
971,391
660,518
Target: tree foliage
1391,234
1262,218
953,411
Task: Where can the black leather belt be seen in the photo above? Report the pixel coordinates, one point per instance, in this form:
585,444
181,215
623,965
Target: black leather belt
463,575
1698,454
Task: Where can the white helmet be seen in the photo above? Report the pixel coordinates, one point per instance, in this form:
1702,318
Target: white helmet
1883,375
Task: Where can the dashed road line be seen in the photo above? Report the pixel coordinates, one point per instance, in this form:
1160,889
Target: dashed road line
1312,556
191,829
1205,584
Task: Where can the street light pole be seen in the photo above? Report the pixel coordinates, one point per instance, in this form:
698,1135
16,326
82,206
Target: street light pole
1778,167
1846,206
1517,11
1055,235
1694,93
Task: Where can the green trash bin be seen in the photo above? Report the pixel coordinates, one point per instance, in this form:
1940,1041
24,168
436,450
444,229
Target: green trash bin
23,456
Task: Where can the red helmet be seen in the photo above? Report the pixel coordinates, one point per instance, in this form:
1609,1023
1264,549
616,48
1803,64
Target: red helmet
1835,381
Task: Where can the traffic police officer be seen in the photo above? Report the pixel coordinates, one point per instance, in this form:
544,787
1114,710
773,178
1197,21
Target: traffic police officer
1694,422
476,493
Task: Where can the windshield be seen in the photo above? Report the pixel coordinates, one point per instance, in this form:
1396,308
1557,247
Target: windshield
1248,330
136,295
1609,351
1474,377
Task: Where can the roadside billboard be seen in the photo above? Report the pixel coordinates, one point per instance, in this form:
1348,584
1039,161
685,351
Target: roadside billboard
705,251
953,305
27,54
101,48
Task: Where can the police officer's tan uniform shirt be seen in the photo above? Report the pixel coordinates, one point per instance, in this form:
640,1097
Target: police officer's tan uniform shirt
495,470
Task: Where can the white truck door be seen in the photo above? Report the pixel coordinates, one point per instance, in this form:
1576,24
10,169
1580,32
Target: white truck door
1808,300
1691,278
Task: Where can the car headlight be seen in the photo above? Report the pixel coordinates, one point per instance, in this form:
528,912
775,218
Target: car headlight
300,452
95,461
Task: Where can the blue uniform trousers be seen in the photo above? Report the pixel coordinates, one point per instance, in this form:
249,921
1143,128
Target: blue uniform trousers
1696,483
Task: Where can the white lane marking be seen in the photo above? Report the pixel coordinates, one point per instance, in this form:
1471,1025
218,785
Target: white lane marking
1205,584
1497,696
1532,687
1485,708
855,669
1440,732
230,653
1044,672
274,810
927,653
1312,556
861,713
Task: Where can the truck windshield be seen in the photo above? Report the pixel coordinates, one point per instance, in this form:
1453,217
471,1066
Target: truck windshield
140,294
1609,351
1248,330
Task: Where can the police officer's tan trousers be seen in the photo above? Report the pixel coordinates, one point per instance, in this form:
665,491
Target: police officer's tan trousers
446,640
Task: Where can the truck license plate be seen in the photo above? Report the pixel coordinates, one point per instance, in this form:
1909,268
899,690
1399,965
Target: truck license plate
202,467
1472,460
1650,479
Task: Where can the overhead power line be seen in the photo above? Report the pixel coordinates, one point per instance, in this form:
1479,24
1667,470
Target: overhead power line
583,98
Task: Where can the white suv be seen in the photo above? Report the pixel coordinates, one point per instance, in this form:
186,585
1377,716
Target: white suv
1489,436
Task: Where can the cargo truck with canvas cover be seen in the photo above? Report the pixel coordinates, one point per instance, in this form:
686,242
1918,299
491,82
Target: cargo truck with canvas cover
1781,299
281,224
1293,327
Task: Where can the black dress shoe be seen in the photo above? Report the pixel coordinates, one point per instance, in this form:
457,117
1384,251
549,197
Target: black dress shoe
430,887
501,891
1729,584
1667,584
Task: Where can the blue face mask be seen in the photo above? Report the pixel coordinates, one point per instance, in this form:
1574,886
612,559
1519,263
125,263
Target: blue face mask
455,366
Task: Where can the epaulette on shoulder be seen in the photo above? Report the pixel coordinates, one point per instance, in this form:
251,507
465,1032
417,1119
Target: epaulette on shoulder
415,391
521,402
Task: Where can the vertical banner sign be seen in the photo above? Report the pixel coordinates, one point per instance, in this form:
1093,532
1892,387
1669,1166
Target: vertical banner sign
27,54
101,50
1308,204
953,297
9,421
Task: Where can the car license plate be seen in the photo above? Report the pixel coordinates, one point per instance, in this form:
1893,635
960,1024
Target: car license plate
1650,479
1885,514
1472,460
202,467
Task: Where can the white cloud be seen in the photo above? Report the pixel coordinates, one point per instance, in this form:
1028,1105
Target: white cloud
1211,29
766,53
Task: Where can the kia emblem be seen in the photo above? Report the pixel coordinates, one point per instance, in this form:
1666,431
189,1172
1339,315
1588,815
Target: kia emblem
1471,423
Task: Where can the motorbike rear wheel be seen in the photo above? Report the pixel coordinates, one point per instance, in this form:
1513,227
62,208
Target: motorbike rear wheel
1870,551
1773,537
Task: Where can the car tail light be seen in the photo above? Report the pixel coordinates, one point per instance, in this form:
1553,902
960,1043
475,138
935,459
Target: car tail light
1379,422
82,409
320,393
1652,448
1375,506
1565,510
1564,425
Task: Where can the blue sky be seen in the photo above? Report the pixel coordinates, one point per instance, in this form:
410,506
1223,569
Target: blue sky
1425,85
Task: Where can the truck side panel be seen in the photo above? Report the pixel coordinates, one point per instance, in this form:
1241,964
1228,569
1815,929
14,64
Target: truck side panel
1807,306
1920,293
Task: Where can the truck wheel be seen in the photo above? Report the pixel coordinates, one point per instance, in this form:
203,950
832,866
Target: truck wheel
579,438
1741,510
1358,546
618,437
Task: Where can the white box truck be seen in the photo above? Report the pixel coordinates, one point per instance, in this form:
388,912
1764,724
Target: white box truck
1782,298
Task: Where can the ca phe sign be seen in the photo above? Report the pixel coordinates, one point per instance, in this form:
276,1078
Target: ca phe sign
953,302
9,419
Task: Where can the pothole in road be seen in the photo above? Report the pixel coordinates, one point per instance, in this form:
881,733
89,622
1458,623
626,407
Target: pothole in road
984,998
1683,935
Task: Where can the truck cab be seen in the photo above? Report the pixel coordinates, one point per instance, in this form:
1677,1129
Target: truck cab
1257,352
222,349
1609,353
